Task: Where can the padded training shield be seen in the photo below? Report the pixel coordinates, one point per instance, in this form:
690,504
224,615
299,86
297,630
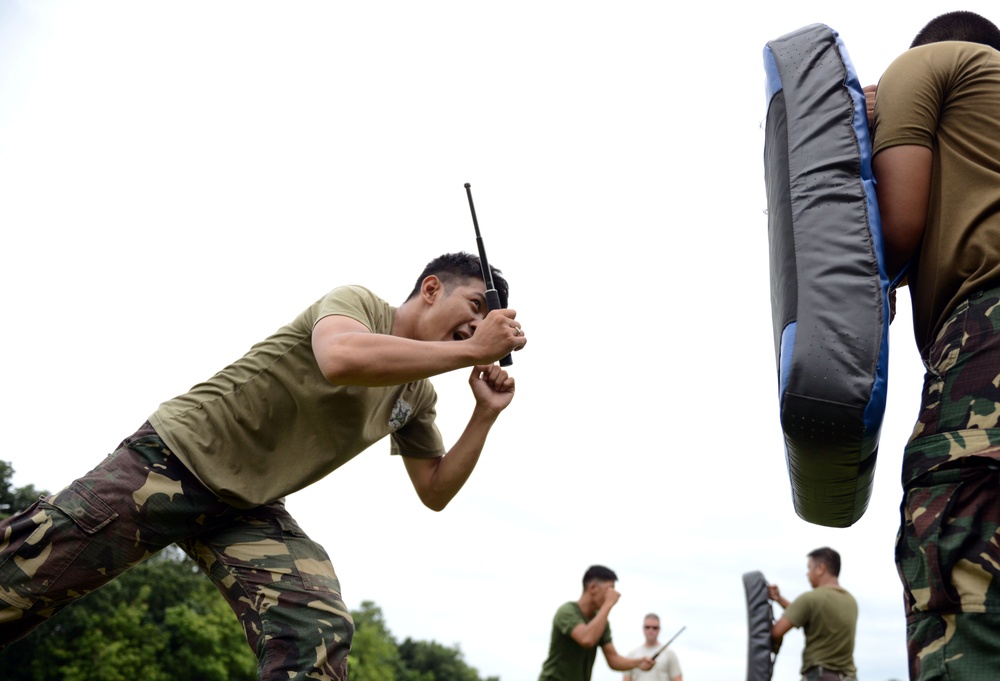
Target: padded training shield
829,290
760,618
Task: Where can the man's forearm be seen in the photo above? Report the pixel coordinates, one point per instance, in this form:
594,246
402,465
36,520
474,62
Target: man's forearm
438,481
594,629
371,359
623,664
454,469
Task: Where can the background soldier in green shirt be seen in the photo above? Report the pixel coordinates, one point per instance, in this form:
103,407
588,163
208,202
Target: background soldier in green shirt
580,626
828,615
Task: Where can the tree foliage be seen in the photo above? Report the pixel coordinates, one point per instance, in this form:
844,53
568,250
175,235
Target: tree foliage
13,499
375,655
160,621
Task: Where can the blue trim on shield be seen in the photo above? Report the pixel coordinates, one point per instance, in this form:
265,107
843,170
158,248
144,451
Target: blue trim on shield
773,79
875,409
785,357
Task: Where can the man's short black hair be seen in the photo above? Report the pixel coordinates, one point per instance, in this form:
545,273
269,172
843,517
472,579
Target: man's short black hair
455,268
965,26
829,558
598,573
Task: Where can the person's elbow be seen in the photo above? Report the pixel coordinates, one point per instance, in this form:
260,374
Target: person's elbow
336,369
424,476
334,360
585,639
778,631
433,501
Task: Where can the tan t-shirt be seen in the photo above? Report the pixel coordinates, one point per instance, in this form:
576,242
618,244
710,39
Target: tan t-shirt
946,96
665,667
270,423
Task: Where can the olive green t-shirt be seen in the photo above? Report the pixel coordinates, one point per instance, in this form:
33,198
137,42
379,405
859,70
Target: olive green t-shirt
828,616
946,97
568,660
270,424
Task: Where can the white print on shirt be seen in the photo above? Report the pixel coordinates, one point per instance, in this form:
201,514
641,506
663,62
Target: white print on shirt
401,413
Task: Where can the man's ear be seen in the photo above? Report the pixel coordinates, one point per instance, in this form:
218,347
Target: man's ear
431,289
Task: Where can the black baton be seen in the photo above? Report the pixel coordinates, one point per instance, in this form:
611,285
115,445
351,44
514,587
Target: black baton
492,297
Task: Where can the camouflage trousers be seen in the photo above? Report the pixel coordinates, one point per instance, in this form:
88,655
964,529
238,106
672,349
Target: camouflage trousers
141,499
947,550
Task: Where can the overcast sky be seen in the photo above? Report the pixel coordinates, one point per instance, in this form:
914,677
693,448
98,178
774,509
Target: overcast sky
179,179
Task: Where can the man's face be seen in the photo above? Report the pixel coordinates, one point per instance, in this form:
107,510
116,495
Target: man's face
813,572
601,591
651,630
456,311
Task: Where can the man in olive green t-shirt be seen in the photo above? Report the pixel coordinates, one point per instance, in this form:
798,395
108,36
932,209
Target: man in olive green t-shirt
828,615
211,467
936,164
581,626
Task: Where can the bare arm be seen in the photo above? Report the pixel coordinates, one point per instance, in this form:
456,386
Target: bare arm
870,91
902,183
438,480
778,631
588,635
349,354
781,627
620,663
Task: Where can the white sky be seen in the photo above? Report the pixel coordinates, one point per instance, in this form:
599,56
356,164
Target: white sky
179,179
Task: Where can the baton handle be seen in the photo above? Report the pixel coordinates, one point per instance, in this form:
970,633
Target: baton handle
492,296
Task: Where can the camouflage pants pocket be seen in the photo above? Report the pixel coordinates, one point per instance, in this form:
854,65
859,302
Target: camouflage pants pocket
311,559
949,562
956,647
925,576
105,522
41,544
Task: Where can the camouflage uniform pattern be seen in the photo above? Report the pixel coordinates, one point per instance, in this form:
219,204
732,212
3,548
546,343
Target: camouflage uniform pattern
947,550
141,499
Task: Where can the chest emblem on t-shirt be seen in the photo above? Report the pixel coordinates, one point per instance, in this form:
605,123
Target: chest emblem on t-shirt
401,413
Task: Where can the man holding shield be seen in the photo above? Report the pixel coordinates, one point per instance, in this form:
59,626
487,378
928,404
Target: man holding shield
936,161
828,615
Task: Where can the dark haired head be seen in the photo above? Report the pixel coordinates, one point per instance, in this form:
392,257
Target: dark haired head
965,26
829,558
455,268
598,573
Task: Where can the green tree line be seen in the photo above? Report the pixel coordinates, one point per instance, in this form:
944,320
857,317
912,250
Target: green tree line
164,621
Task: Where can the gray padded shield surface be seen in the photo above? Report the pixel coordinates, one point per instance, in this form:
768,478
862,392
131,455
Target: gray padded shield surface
760,617
827,294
